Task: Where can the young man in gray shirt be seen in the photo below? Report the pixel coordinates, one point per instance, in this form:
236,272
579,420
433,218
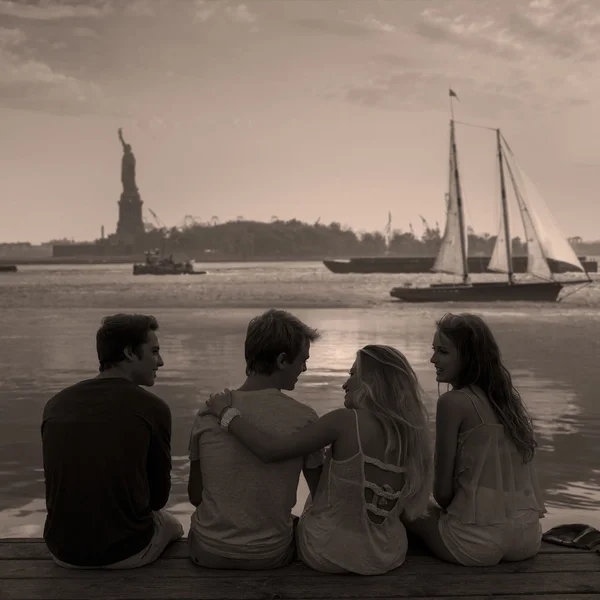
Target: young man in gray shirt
243,510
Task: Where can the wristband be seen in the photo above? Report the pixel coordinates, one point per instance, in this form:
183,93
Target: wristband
228,415
222,413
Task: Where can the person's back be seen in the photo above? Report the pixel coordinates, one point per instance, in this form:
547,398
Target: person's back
489,501
98,437
361,495
496,488
107,456
245,512
243,517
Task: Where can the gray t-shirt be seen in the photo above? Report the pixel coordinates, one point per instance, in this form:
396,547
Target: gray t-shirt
246,504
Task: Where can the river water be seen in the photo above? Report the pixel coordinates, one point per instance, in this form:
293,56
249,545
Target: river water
49,316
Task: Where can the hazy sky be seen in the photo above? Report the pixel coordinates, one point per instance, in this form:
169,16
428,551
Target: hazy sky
330,109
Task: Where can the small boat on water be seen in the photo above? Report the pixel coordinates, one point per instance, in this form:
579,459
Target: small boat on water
155,264
8,268
544,242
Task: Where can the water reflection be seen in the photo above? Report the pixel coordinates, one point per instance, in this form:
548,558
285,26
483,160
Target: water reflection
46,350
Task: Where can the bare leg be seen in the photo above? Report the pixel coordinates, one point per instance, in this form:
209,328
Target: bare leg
426,528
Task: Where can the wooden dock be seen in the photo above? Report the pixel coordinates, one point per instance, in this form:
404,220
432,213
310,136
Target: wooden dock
27,572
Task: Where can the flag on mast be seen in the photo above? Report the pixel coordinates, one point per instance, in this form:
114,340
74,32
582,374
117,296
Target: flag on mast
453,94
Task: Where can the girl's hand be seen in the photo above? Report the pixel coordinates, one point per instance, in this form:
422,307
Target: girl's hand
217,403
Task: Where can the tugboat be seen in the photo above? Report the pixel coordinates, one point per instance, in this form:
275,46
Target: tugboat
155,264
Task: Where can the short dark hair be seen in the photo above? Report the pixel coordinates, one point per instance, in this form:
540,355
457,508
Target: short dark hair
120,331
272,333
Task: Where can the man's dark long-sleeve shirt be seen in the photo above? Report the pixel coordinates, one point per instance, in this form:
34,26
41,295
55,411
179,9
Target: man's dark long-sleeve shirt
107,465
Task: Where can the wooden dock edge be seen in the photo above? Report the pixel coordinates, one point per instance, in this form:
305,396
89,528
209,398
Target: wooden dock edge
27,572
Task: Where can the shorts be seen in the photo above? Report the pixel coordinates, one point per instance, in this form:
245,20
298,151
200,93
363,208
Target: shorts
167,529
204,557
475,545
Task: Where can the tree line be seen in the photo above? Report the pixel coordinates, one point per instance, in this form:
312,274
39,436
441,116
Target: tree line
294,238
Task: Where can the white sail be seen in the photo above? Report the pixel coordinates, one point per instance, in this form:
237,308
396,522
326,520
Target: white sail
449,258
554,244
536,262
499,260
540,224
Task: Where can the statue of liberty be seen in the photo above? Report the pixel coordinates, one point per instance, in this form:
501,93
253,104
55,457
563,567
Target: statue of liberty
127,167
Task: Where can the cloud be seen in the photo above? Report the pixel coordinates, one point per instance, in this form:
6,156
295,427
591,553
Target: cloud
241,14
477,33
345,27
341,28
566,29
30,84
402,90
539,57
47,10
510,93
206,10
140,8
11,37
85,32
377,25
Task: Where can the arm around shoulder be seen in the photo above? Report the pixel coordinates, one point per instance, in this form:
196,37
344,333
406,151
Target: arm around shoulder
307,440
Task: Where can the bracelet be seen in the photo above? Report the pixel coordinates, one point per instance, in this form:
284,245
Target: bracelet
228,415
222,413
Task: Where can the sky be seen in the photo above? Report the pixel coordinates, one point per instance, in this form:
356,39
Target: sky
335,110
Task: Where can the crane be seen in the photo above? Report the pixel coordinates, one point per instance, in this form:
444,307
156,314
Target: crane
160,224
161,227
190,221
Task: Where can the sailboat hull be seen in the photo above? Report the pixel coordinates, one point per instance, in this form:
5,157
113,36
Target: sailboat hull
499,291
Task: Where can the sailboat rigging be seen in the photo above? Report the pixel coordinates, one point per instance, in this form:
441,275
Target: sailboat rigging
544,241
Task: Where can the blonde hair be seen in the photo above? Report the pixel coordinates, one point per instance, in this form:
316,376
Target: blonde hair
388,387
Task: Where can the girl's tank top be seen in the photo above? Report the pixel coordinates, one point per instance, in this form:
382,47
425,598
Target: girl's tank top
343,528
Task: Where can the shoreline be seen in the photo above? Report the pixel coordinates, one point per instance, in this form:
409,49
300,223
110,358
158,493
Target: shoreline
120,260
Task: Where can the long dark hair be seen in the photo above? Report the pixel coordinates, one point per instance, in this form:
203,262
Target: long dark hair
481,365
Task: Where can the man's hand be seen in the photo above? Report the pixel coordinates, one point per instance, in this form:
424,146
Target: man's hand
217,403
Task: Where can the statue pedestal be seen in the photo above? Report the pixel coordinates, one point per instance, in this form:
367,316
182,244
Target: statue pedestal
130,225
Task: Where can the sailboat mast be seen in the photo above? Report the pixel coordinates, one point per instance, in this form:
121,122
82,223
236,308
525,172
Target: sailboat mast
459,202
507,238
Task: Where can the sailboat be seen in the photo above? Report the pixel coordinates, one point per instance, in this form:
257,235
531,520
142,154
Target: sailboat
544,241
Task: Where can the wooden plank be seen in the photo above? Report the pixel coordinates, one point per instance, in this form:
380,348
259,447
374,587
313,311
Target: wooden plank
34,548
427,565
521,596
115,585
516,596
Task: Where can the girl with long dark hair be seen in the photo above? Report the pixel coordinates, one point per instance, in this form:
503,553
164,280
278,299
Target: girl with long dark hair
490,503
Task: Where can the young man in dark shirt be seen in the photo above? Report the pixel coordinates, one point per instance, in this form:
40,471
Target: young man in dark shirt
107,456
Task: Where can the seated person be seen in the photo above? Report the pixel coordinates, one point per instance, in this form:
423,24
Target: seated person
243,516
107,456
490,503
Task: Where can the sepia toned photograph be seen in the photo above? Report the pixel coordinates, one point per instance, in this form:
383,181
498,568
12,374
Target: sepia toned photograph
299,299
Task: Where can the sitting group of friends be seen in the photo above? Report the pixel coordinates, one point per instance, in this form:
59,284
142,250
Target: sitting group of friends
371,467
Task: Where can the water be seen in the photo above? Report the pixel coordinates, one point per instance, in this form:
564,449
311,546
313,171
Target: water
49,316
